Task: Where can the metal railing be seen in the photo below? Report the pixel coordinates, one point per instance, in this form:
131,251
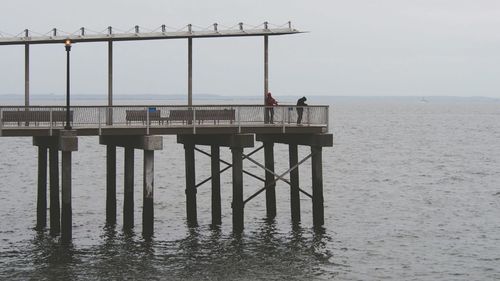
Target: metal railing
153,116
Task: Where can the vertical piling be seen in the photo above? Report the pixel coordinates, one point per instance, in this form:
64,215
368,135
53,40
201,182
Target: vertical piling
216,199
237,204
66,211
191,213
148,189
271,190
128,202
294,184
41,203
317,186
110,185
55,219
68,142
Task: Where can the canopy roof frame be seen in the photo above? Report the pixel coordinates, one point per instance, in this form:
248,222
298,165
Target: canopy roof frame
110,37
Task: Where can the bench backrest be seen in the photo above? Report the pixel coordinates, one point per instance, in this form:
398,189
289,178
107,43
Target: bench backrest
35,116
141,115
202,114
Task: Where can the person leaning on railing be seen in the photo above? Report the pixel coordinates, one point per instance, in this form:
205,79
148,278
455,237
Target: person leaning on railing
300,109
270,102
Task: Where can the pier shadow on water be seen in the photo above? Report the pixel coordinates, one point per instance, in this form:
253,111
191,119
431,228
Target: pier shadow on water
204,253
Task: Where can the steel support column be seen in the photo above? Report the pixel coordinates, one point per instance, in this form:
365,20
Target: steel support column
148,191
66,210
109,115
190,71
317,186
55,211
110,185
294,184
41,202
270,181
216,199
266,75
128,202
266,67
237,204
27,75
191,212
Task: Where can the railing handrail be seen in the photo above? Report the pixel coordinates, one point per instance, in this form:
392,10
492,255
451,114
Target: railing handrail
155,116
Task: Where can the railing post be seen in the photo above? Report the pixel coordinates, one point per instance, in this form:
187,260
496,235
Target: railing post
147,121
308,116
194,120
239,119
99,118
1,121
109,115
327,119
283,119
50,122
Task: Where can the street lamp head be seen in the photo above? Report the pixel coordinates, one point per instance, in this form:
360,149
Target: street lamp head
67,44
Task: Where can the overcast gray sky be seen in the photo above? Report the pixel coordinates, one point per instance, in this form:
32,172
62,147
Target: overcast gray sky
354,48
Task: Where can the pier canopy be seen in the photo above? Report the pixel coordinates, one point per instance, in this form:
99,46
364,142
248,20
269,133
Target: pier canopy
110,35
137,33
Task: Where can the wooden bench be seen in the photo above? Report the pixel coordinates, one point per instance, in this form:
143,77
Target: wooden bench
142,115
35,116
201,115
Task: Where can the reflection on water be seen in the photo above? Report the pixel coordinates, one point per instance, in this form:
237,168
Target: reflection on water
263,253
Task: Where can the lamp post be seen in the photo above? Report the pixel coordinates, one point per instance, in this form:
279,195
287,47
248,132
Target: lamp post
67,45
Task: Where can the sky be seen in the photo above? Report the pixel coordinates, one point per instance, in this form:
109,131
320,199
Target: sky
352,48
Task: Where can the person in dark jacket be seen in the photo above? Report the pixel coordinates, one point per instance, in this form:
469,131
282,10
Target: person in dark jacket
270,102
300,108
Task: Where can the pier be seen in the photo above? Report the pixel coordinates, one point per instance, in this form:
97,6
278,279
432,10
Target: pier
242,128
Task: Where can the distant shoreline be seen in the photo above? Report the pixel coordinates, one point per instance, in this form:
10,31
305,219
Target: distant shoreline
208,97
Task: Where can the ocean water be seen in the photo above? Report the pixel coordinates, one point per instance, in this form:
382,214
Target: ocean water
412,192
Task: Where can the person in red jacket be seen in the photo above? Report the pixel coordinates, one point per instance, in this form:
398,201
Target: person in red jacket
270,102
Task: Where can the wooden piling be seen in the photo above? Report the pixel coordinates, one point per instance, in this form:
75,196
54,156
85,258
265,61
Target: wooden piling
294,184
317,186
216,198
237,204
110,185
41,203
270,180
66,211
128,202
148,189
55,219
191,212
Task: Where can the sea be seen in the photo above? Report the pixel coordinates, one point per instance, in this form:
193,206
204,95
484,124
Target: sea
411,190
